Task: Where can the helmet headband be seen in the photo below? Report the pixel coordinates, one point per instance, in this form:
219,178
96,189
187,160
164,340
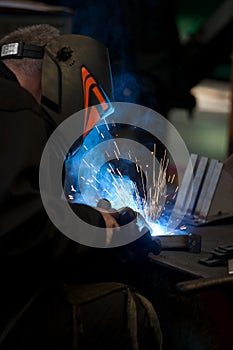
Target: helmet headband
20,50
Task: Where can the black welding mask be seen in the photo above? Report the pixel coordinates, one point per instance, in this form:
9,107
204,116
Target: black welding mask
76,74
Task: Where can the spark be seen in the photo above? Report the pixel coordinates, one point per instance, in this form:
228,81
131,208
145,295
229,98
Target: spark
97,129
105,190
72,188
116,154
143,185
110,165
106,124
118,151
84,160
107,154
136,162
95,188
153,155
173,178
89,180
94,177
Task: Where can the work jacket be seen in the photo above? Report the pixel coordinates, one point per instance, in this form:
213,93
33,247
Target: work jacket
33,252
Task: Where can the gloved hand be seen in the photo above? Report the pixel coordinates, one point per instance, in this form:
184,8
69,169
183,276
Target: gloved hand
118,222
137,251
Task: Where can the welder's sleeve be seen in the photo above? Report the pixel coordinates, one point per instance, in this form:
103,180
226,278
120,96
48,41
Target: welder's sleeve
22,218
88,264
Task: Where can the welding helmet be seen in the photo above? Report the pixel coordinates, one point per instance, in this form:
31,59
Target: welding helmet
76,74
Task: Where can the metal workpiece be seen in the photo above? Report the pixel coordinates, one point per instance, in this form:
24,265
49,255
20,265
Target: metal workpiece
190,242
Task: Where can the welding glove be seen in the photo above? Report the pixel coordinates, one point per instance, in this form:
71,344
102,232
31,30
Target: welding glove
79,262
141,241
137,251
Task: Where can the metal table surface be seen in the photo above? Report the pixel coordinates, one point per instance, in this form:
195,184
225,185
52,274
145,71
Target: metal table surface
212,236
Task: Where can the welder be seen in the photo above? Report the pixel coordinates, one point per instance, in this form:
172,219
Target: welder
37,311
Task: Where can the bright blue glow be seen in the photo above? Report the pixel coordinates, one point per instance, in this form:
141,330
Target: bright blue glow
84,184
157,229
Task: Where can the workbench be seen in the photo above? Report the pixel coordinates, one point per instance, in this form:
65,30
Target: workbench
184,261
194,302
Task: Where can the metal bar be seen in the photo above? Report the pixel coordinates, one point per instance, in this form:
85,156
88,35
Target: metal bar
205,187
211,190
185,186
191,242
198,178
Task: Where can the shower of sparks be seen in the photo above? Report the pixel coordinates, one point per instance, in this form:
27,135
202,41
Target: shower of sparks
153,204
121,191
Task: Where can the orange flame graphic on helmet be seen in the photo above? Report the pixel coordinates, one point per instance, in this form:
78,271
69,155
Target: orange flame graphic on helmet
95,98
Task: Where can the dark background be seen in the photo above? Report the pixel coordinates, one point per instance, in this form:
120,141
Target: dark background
159,49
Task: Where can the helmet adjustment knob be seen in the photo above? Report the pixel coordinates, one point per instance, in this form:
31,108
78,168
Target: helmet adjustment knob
64,53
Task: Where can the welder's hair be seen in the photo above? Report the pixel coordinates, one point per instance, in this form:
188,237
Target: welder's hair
39,34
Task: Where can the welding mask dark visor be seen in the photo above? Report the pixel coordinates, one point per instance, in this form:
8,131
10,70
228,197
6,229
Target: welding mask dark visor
76,74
